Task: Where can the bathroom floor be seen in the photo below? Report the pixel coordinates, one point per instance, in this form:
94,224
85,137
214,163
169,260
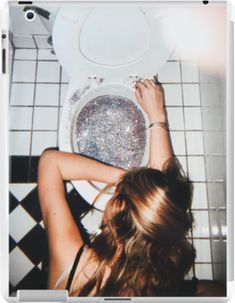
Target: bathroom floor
37,93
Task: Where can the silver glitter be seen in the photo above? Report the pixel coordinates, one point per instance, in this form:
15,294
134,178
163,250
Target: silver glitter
112,129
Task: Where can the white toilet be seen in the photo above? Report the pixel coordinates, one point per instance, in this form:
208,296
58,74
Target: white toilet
104,50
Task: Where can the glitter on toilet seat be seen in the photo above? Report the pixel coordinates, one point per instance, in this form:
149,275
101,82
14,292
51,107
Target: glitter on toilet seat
111,129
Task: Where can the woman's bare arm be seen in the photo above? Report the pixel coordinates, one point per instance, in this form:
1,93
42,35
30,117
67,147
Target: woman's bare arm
150,96
63,235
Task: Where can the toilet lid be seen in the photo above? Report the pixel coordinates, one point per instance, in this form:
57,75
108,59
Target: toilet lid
121,38
110,42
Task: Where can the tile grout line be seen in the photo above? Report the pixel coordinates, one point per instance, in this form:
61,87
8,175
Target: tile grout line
59,102
34,99
205,171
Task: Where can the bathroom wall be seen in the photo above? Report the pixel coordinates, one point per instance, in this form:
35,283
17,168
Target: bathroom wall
213,102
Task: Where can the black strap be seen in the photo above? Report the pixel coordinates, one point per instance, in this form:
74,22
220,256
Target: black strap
75,263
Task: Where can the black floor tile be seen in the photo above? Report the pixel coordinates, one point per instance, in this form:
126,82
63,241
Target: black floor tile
19,169
35,279
33,169
31,204
34,244
13,202
12,243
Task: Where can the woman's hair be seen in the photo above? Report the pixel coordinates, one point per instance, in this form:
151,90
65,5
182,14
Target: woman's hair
143,235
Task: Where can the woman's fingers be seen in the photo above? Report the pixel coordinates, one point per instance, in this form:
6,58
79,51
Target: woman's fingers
140,85
147,83
138,93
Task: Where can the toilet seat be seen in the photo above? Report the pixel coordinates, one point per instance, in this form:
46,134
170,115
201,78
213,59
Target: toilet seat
75,29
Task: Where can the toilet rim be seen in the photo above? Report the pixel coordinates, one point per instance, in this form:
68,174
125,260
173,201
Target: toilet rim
85,188
66,46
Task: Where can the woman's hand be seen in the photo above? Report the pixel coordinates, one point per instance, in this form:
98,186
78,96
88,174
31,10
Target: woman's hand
151,99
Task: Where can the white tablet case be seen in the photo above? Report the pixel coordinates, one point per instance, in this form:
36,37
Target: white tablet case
196,75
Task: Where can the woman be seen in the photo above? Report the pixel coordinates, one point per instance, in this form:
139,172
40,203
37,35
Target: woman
141,249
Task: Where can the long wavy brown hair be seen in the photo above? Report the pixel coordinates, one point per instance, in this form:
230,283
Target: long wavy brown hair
144,235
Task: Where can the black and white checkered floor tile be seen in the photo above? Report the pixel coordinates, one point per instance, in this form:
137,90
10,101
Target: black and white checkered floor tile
27,241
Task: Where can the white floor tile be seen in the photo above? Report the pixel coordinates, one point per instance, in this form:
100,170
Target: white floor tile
191,94
175,118
189,72
170,72
173,94
178,142
203,250
43,140
24,41
48,72
20,191
92,221
63,93
27,54
204,271
201,224
45,54
19,143
19,266
24,71
65,77
193,118
194,141
199,196
20,118
196,168
22,94
20,223
47,94
45,118
41,41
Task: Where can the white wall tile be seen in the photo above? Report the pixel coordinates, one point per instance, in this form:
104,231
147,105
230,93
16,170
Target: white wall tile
45,118
189,72
216,168
43,140
201,224
19,266
196,168
19,143
41,41
175,118
216,194
215,142
48,72
178,142
175,55
173,94
193,118
182,160
47,94
20,118
24,71
194,141
170,72
63,93
45,54
27,54
22,94
203,250
191,94
199,195
204,271
65,77
24,41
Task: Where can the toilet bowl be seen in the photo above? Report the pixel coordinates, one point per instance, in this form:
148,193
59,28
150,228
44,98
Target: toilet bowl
104,50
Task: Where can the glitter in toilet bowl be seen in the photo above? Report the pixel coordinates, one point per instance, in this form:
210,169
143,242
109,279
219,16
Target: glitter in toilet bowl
111,129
